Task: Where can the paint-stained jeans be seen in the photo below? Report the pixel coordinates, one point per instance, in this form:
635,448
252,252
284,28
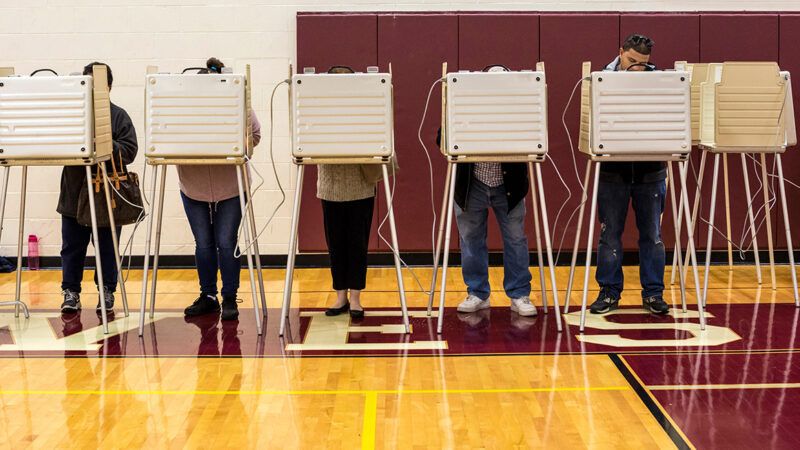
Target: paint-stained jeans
472,229
648,204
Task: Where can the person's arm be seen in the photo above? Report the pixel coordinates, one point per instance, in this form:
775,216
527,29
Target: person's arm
256,128
124,135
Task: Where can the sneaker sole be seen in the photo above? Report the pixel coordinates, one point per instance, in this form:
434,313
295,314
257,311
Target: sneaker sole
480,306
70,310
651,311
609,309
187,314
524,314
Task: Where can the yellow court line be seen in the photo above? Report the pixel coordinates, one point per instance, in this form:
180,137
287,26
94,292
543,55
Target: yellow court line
689,387
370,419
316,392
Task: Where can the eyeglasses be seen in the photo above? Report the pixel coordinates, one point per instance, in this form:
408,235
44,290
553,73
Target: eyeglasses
637,39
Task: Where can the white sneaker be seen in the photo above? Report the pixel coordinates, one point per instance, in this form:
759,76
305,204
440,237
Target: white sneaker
523,306
472,304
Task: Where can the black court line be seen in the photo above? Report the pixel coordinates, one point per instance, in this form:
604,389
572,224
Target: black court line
651,405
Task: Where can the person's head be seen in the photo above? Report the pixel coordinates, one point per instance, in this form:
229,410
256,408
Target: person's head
89,70
213,65
340,69
635,51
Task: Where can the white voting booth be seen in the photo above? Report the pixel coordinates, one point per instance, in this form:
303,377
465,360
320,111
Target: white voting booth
634,116
494,117
52,120
746,108
199,119
341,118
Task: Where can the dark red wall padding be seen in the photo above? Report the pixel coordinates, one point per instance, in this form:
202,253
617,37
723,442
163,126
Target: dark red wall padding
354,45
566,41
417,43
790,60
416,46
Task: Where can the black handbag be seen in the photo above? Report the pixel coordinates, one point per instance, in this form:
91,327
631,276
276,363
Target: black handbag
126,198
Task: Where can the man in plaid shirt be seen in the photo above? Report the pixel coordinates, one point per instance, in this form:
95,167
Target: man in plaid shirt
501,187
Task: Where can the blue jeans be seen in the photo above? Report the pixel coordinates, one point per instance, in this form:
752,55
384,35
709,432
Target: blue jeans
648,204
474,252
215,227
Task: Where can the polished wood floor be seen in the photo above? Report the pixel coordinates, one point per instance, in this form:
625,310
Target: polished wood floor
529,400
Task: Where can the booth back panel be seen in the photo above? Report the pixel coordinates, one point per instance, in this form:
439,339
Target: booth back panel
417,44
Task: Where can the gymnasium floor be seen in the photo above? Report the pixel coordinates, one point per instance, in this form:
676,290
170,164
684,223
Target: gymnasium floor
493,379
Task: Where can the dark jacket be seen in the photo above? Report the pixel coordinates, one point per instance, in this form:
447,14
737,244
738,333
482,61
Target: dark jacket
73,178
515,180
631,172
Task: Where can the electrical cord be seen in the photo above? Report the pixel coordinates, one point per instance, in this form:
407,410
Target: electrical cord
251,193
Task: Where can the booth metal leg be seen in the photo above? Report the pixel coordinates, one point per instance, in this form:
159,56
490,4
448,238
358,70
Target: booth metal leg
539,255
3,196
148,240
695,209
710,239
395,248
254,239
581,212
96,240
248,247
292,251
765,180
548,245
751,217
115,240
725,182
690,248
676,219
446,255
157,246
18,303
787,229
438,250
590,243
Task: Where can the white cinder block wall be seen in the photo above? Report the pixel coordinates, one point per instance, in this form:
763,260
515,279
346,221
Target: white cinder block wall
131,34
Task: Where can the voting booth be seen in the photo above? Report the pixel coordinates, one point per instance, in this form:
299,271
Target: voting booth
746,108
494,116
634,116
199,119
341,118
52,120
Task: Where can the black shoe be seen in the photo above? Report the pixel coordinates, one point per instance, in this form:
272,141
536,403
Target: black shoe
604,304
230,309
356,313
331,312
205,304
72,302
109,296
655,304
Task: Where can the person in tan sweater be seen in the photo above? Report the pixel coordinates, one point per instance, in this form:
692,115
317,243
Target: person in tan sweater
347,192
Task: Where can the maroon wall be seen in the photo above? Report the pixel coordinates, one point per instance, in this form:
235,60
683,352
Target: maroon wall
418,43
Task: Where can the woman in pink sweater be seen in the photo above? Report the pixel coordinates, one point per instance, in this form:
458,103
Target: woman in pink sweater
210,197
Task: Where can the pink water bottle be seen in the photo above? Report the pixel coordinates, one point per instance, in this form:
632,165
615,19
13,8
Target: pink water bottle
33,252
